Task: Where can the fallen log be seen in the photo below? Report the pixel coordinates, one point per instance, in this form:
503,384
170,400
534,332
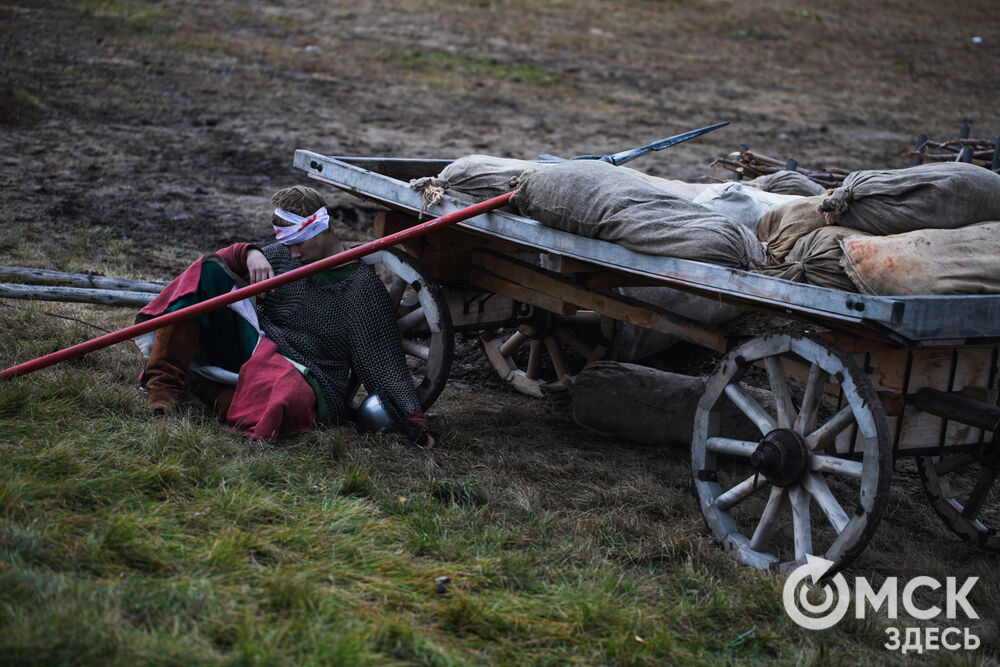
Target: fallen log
647,406
30,276
108,297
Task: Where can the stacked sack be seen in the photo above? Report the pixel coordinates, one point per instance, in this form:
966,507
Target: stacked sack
706,222
893,232
678,203
787,182
480,177
598,200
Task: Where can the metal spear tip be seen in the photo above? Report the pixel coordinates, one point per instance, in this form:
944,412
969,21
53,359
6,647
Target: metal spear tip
684,136
629,155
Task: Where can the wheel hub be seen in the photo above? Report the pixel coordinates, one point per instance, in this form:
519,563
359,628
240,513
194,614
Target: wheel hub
782,457
989,455
541,326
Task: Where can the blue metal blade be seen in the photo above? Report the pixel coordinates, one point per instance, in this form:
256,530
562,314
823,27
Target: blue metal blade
629,155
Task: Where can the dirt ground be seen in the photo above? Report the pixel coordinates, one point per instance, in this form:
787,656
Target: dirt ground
136,135
158,129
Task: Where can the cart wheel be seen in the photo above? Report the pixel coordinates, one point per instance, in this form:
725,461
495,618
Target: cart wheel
773,501
963,491
543,367
424,323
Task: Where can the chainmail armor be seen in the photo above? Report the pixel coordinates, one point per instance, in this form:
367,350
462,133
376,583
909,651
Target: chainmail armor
336,328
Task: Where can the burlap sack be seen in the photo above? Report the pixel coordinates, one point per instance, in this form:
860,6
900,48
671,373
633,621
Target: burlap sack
788,183
815,259
740,204
478,177
482,177
598,200
682,189
783,225
926,261
653,407
943,195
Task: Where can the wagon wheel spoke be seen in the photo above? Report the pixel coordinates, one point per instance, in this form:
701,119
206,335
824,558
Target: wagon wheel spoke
510,345
974,503
415,349
806,420
816,485
750,407
953,464
831,428
411,319
396,289
779,387
959,488
742,448
801,525
740,492
776,505
837,466
534,360
555,341
558,361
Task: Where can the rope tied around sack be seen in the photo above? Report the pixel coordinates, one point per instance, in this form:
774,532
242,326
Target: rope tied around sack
517,181
836,203
431,191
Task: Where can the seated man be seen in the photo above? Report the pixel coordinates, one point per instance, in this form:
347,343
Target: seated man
293,352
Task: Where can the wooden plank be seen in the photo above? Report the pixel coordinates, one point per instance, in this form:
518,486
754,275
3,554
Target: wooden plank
587,274
895,372
933,369
478,309
402,169
520,293
615,308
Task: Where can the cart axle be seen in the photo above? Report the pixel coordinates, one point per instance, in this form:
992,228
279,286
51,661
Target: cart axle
782,457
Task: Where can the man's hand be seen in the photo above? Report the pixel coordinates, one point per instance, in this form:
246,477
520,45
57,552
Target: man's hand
258,268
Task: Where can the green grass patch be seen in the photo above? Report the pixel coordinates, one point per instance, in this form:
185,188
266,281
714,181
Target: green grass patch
126,540
129,18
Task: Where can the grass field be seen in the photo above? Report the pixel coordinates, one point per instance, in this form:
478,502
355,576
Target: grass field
127,540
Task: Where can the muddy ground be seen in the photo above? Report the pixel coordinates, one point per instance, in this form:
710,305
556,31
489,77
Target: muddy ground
158,129
136,135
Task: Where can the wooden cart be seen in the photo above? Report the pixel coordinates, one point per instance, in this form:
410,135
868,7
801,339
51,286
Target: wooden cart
880,378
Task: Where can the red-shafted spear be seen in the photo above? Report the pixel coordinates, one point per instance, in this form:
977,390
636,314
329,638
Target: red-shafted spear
251,290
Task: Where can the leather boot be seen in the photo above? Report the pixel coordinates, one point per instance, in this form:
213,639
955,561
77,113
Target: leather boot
167,366
216,395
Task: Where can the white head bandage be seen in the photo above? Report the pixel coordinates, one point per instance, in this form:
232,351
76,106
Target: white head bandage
301,229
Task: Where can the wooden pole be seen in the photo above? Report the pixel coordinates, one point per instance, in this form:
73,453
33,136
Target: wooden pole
108,297
23,274
252,290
